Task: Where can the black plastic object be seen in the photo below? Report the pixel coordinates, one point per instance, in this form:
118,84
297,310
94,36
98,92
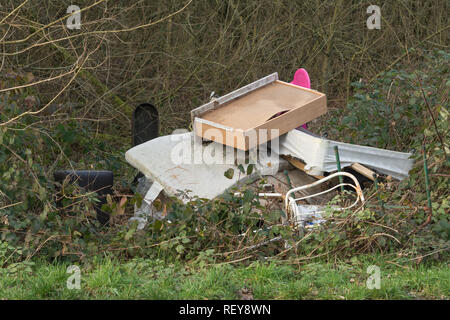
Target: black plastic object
91,180
145,127
145,124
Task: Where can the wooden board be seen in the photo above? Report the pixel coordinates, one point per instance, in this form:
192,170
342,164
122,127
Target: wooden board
363,170
300,165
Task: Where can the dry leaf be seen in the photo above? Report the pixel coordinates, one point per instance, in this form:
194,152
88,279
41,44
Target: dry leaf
121,207
245,294
29,77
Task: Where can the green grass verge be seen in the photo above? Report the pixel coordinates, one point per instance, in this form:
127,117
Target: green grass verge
144,279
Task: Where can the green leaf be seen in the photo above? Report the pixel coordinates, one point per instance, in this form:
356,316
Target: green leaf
129,234
229,173
157,225
179,248
250,169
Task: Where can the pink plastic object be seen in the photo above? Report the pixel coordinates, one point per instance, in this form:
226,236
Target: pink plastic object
301,78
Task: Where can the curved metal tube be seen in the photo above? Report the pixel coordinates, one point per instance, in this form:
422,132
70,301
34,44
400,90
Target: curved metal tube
318,182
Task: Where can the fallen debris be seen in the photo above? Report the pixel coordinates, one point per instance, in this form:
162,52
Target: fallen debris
184,166
299,165
302,216
369,174
319,157
179,163
267,106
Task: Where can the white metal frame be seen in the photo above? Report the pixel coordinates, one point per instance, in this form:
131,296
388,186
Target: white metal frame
290,203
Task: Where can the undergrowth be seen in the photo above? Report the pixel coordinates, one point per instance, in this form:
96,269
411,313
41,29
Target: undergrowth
404,109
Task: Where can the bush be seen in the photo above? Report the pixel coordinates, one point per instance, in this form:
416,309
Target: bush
389,112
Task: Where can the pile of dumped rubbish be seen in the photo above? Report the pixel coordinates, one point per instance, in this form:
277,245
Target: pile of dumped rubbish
262,125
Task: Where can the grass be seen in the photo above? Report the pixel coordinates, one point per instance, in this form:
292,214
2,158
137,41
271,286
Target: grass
145,279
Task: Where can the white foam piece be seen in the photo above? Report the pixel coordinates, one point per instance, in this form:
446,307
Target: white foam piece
180,162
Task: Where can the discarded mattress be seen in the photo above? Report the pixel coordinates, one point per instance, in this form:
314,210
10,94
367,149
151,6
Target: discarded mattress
318,154
180,162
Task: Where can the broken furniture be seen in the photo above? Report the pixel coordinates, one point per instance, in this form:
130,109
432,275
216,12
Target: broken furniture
304,216
267,106
179,162
300,215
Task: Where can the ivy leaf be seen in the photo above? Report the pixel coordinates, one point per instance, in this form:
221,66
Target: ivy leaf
130,234
250,169
229,173
180,248
157,225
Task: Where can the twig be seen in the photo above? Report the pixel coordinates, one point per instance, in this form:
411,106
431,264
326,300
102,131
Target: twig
228,262
398,265
432,115
406,53
429,254
11,205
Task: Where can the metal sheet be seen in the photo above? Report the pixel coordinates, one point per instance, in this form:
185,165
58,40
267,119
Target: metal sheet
318,154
